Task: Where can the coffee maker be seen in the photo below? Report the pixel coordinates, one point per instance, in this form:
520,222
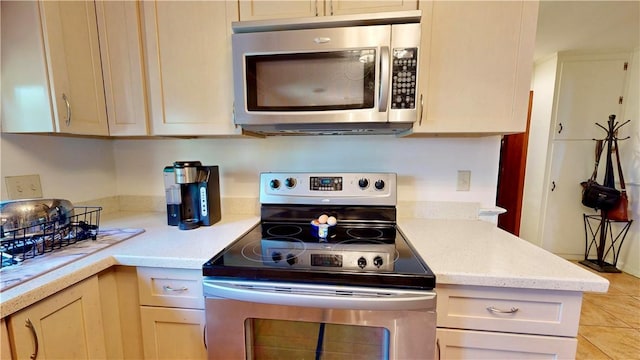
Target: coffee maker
193,194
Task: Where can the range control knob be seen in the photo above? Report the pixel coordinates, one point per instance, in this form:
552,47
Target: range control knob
379,184
362,262
290,182
377,261
363,183
276,256
291,259
274,184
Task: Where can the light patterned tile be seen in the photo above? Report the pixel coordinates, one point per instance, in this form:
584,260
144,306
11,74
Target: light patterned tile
588,351
625,284
593,314
625,308
617,343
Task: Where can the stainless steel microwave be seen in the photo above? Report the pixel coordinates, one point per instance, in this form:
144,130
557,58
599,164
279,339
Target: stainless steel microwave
327,75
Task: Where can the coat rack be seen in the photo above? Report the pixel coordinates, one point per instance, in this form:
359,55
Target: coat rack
600,232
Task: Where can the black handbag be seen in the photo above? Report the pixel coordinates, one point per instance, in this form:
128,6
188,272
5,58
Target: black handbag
599,197
594,195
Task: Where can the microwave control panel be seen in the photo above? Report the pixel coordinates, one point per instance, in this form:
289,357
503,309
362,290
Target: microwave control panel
404,78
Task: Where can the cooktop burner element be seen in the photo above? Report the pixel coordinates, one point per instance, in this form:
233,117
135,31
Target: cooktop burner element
364,248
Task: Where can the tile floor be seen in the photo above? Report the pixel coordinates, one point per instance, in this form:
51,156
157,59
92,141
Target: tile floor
610,323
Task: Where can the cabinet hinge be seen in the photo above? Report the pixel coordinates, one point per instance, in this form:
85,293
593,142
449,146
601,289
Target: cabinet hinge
626,66
620,99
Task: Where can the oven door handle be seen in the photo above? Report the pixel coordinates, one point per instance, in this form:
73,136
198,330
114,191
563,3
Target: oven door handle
320,296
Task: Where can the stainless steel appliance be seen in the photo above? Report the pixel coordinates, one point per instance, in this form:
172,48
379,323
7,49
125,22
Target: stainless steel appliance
354,74
325,272
193,194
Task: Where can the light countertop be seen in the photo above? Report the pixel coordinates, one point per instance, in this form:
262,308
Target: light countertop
459,252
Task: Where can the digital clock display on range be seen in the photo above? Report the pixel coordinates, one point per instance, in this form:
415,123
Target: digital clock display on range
325,183
326,260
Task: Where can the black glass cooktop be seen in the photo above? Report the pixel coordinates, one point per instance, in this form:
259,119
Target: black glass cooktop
349,253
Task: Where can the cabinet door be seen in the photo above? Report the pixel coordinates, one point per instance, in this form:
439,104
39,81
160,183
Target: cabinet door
26,105
467,344
173,333
345,7
5,344
66,325
73,55
562,224
475,67
588,90
188,57
278,9
122,66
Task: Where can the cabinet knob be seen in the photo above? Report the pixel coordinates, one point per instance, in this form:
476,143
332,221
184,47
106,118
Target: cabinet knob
560,128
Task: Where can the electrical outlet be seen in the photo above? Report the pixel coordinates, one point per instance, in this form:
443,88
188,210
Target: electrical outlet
464,180
23,187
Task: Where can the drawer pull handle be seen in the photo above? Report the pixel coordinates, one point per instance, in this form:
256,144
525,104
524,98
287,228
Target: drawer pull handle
513,310
169,288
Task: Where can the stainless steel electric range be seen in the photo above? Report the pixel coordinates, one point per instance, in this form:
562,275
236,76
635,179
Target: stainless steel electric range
327,252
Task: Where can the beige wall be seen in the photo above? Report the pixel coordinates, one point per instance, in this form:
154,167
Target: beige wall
84,169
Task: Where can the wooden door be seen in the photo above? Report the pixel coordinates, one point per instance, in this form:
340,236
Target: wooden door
513,163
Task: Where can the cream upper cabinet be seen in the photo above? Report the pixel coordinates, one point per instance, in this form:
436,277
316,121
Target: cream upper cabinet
270,9
188,61
123,67
475,67
51,70
66,325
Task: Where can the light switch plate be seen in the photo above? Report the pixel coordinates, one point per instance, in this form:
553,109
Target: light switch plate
464,180
23,187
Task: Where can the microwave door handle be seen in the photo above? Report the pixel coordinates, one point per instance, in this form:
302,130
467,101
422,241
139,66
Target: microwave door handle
384,79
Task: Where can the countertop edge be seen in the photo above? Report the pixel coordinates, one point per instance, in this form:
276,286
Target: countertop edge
443,237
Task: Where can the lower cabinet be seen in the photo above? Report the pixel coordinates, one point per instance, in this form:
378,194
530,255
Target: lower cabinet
5,343
476,322
172,313
469,344
66,325
173,333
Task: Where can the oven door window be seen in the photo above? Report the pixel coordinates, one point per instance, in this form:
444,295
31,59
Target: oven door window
338,80
283,339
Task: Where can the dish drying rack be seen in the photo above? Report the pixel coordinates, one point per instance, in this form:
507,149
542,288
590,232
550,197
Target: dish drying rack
28,242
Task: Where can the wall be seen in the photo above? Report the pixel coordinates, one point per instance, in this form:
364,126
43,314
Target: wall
78,169
82,169
427,168
543,87
544,79
630,154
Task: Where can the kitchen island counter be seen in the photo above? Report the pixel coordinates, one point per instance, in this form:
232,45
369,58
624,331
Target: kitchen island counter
477,253
459,252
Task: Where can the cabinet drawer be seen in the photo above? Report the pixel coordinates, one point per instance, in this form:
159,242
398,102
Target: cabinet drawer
171,287
529,311
468,344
